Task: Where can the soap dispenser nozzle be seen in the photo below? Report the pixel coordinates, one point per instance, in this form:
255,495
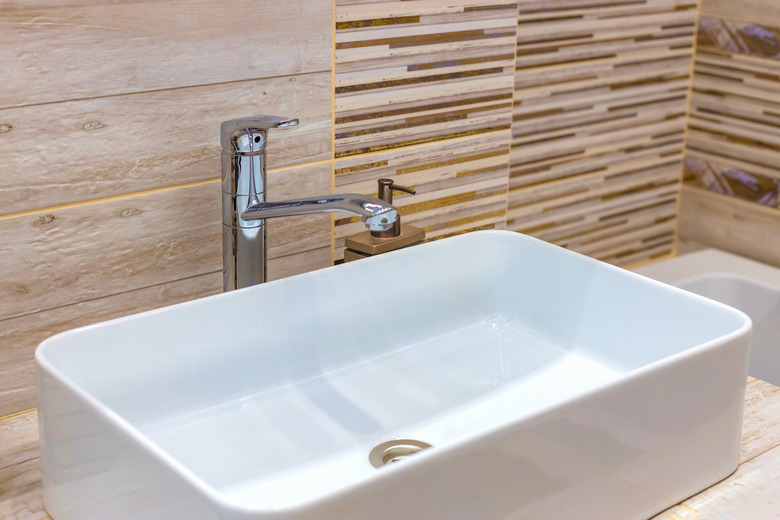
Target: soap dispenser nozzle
370,243
385,193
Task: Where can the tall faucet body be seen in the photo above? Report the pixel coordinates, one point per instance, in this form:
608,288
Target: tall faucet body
244,205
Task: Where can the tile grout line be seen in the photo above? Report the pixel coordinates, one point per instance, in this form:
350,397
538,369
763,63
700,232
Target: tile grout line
739,19
147,192
688,110
512,121
154,90
9,416
333,129
95,298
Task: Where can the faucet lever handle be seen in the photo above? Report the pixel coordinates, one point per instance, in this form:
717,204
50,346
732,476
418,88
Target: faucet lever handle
235,128
386,188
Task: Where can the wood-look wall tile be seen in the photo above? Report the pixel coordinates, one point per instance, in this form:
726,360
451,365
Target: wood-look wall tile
599,119
761,426
730,223
758,10
68,152
421,71
460,184
751,492
55,51
735,111
79,273
424,96
88,251
20,469
616,215
110,115
733,145
21,492
21,335
18,439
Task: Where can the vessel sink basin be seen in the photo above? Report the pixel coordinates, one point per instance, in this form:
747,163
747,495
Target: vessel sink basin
747,285
548,385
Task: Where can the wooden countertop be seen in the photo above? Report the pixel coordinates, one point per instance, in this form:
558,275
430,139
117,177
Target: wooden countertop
752,492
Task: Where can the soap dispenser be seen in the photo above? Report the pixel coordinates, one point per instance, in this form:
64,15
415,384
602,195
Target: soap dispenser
370,243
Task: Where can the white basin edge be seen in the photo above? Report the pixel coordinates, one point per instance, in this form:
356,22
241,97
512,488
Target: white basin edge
127,429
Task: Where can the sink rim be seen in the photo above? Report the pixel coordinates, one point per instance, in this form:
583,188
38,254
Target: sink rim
189,476
385,472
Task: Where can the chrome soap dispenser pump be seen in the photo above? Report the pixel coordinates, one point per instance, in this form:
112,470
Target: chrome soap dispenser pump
370,243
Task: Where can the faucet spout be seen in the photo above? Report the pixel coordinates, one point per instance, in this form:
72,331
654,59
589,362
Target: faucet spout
377,214
244,206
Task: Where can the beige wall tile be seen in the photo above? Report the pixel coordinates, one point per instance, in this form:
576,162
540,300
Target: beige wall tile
75,151
761,11
63,50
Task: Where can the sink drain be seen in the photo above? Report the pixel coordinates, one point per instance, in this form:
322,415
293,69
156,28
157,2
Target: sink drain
394,451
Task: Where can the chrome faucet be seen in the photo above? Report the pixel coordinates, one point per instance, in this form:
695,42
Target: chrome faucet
244,208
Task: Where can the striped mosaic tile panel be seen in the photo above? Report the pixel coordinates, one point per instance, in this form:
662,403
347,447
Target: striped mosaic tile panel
599,118
460,185
734,132
423,91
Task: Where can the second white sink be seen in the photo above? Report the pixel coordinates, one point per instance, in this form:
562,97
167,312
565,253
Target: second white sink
549,385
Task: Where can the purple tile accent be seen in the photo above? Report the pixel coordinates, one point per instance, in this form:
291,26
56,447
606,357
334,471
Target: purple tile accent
739,37
734,182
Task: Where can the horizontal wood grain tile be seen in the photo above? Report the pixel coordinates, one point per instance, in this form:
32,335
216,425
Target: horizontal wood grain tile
51,47
84,252
733,147
21,492
21,335
758,10
19,436
751,492
74,151
761,426
729,223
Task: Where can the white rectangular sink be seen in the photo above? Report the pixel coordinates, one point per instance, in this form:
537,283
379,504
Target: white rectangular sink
747,285
549,385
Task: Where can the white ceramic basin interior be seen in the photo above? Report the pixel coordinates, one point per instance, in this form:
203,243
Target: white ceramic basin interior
750,286
550,385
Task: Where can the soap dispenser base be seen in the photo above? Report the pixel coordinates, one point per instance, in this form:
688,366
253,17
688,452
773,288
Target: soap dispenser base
364,244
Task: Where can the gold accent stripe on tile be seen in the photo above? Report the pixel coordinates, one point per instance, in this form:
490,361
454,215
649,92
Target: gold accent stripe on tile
414,81
413,109
422,140
360,167
17,413
376,22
